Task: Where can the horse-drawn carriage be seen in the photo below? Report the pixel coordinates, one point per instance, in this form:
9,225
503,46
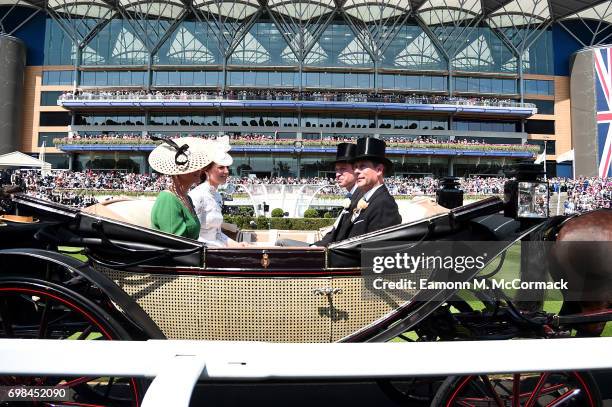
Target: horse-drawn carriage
139,283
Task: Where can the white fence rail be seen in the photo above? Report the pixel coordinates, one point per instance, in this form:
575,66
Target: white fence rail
178,365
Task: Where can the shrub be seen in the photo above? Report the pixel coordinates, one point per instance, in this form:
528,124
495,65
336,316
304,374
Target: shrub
278,213
328,215
311,213
262,223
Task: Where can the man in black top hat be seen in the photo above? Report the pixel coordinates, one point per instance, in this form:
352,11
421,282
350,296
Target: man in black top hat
377,209
345,178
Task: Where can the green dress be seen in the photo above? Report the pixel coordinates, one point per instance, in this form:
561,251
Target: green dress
170,215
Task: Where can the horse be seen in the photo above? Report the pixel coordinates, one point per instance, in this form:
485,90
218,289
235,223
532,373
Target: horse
580,257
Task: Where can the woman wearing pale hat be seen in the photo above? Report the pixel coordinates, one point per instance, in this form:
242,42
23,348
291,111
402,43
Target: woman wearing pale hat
182,159
208,202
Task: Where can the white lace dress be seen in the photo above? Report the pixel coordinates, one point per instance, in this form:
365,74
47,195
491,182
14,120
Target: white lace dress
207,203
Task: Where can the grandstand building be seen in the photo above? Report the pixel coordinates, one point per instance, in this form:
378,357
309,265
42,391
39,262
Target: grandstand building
78,76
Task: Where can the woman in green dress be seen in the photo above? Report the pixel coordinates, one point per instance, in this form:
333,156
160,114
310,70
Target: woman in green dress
182,159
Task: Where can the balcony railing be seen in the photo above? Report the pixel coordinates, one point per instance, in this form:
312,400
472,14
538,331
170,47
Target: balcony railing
311,97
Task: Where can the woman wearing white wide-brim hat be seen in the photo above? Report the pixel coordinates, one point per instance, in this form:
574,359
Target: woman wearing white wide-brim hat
183,159
208,202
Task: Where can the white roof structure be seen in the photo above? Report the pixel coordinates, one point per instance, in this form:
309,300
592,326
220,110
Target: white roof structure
374,10
91,8
129,47
600,12
316,54
160,8
475,55
17,159
437,12
302,9
519,13
250,51
186,47
419,52
354,54
236,9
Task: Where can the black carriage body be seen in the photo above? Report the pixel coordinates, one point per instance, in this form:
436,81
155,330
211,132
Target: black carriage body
190,291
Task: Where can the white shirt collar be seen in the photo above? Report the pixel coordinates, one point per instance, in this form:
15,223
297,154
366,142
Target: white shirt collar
368,195
354,189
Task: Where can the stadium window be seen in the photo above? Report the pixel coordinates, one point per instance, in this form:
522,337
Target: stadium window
325,79
461,84
54,78
551,88
412,82
544,106
88,78
101,78
540,126
425,83
401,82
531,86
174,78
509,86
486,85
48,138
111,78
186,78
473,85
236,78
438,83
212,78
312,79
247,78
54,119
161,78
288,79
387,81
275,79
199,78
49,98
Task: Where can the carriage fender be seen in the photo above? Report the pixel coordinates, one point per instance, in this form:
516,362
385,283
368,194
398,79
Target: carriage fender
121,300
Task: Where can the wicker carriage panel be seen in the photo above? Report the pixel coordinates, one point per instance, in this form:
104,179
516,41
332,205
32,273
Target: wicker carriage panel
216,308
355,309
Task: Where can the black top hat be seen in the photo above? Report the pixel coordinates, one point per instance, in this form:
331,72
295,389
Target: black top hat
372,149
345,153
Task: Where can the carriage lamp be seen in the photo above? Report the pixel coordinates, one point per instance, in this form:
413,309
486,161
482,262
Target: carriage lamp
526,196
449,196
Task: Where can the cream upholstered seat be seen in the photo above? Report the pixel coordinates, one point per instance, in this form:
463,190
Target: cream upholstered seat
421,208
134,211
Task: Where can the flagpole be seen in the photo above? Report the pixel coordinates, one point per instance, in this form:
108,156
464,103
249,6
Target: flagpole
545,141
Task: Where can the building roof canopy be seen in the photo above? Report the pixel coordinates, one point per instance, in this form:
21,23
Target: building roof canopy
558,9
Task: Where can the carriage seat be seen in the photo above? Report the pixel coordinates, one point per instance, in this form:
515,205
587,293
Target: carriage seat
420,208
138,212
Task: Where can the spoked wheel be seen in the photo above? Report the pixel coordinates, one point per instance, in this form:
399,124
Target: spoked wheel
419,392
520,390
35,309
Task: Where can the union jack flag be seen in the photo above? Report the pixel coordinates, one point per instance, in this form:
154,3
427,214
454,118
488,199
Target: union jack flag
603,89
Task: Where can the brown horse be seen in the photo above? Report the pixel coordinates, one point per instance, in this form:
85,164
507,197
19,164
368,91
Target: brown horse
582,256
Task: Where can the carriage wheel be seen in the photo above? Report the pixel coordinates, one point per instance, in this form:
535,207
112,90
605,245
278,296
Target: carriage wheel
418,392
519,390
36,309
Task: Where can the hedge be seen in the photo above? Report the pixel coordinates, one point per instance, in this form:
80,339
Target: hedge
262,223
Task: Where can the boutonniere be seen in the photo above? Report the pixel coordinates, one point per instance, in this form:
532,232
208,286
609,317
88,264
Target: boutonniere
361,205
346,203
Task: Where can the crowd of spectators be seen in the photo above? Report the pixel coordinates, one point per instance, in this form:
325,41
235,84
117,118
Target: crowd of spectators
583,194
283,95
271,139
79,188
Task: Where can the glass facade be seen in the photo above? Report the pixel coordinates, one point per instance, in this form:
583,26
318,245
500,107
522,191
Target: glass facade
55,78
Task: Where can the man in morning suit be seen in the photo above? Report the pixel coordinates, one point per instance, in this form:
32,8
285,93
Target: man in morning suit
376,209
345,153
346,179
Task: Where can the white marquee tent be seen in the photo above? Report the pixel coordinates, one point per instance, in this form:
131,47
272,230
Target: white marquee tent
17,159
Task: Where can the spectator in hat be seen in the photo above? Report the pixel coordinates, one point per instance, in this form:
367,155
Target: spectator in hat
376,209
182,159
